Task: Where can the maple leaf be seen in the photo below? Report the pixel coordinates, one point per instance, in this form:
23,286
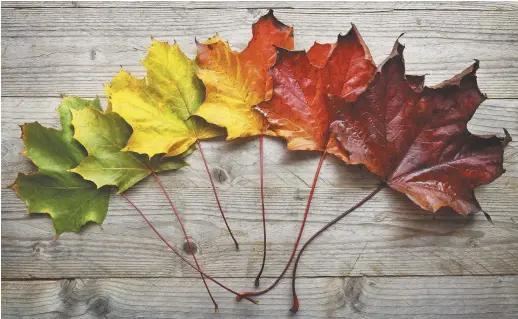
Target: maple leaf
104,135
416,139
160,108
70,200
298,110
237,81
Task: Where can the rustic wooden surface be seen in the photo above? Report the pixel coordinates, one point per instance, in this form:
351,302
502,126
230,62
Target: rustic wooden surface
389,259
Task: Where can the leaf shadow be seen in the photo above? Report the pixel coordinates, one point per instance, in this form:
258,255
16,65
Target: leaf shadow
412,226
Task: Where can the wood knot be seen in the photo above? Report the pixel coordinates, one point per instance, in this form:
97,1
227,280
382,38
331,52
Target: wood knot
99,305
353,292
219,174
193,246
472,242
67,288
298,196
50,249
37,249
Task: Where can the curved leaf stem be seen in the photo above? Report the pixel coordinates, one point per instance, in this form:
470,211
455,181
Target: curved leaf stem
175,251
186,237
295,306
295,246
216,194
261,172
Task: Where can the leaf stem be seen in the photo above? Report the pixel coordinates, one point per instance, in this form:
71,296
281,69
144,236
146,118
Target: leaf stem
216,194
261,173
295,246
186,237
295,306
175,251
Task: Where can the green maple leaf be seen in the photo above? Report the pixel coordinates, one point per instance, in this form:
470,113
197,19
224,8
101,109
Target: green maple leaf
104,135
70,200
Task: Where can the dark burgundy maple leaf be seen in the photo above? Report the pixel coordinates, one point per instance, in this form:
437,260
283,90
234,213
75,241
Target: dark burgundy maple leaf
416,138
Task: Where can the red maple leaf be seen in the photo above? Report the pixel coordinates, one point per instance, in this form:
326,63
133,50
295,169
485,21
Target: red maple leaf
298,110
416,138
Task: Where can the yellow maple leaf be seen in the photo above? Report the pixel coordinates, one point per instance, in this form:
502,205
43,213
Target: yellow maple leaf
160,107
237,81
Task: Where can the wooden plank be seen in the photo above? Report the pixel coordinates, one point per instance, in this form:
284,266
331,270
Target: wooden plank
236,163
355,297
301,5
49,48
391,234
44,49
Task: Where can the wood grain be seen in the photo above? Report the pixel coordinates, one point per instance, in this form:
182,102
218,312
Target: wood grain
301,5
389,259
353,297
235,164
45,49
388,236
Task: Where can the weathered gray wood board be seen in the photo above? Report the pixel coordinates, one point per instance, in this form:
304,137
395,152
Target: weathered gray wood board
392,234
352,297
387,237
237,162
364,267
301,5
78,49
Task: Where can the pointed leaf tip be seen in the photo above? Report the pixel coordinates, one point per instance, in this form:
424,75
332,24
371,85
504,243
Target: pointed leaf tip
488,217
507,139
